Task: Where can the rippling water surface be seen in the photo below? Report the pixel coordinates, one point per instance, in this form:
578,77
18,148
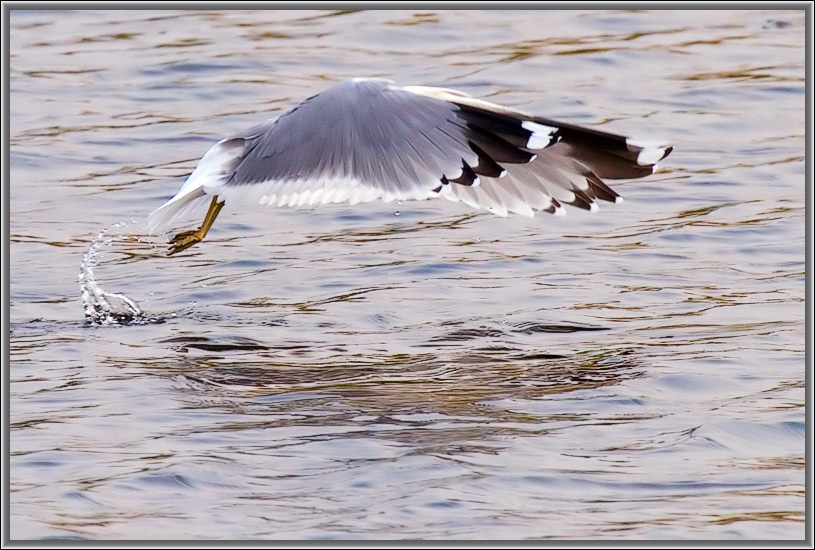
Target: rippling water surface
413,370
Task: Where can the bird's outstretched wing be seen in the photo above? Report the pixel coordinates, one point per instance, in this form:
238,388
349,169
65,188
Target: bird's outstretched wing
368,139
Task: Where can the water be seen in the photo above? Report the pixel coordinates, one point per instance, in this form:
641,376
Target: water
412,370
103,308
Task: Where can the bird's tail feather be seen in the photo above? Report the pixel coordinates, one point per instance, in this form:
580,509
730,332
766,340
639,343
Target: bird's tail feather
208,175
179,206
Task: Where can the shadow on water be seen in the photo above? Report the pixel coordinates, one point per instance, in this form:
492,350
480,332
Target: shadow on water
238,372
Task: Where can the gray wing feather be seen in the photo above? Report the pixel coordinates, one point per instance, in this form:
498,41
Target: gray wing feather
361,131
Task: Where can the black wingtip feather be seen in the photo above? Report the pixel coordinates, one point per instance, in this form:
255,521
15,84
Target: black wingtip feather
581,199
467,177
486,166
498,149
507,127
601,190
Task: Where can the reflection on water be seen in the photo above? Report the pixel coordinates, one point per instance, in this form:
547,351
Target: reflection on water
411,370
480,373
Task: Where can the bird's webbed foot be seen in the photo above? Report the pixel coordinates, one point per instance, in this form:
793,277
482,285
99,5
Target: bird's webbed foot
183,241
186,239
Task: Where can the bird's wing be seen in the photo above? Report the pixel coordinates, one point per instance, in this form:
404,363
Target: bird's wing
368,139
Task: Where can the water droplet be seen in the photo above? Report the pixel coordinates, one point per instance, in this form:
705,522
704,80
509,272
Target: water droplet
102,307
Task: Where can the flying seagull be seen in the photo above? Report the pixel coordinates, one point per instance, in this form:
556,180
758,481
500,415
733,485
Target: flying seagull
367,139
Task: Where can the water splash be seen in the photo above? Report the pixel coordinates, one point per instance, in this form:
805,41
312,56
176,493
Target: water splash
104,308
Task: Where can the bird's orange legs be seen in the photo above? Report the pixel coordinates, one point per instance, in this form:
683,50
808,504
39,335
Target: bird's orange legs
186,239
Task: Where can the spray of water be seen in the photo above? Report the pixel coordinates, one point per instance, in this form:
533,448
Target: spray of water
104,308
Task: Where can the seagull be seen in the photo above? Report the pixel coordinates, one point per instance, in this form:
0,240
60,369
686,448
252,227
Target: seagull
367,138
